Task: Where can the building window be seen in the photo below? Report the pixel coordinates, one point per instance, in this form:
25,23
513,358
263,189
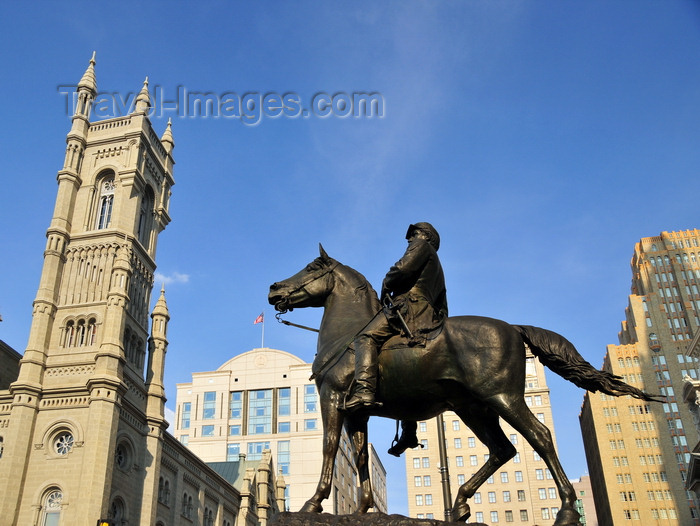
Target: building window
423,426
521,495
117,511
284,427
416,463
106,203
460,461
122,456
419,500
429,500
283,456
255,450
417,481
504,477
63,443
492,497
209,408
455,425
310,424
208,431
427,481
233,452
236,405
310,399
506,496
234,430
260,412
185,418
523,515
426,462
471,442
284,401
458,443
51,508
184,439
143,231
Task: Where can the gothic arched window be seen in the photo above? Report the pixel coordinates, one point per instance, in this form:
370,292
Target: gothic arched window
105,203
143,229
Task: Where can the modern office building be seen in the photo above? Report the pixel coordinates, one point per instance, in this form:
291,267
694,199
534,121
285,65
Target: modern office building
522,492
263,399
638,452
82,427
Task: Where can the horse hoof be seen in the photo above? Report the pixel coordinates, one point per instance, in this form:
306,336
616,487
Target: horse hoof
311,507
567,517
461,513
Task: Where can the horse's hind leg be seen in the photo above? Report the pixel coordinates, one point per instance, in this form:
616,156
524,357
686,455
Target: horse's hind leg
357,429
514,410
483,421
332,426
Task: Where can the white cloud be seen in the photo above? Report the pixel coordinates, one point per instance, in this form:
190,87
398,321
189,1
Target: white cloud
175,277
170,417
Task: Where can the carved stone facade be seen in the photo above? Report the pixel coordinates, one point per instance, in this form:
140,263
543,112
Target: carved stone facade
82,427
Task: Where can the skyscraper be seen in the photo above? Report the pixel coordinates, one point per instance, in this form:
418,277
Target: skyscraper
522,492
638,453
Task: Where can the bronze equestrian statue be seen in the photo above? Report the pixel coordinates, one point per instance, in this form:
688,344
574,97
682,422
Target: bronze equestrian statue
474,366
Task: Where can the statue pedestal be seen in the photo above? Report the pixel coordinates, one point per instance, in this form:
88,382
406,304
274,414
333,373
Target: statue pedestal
368,519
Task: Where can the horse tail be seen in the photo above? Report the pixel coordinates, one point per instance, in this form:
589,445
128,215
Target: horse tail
559,354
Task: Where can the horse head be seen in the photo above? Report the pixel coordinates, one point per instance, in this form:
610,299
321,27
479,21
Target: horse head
307,288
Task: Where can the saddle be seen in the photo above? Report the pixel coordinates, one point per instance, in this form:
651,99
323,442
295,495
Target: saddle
420,338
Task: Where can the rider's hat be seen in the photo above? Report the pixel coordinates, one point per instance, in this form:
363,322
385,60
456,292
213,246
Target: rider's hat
433,235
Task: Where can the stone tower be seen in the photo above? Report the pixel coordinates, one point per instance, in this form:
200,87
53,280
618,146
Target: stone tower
86,411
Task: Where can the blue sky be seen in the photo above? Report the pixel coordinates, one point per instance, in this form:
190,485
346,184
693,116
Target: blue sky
541,138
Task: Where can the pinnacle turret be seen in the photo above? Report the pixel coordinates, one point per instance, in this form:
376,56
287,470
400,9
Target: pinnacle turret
161,308
167,138
143,99
89,80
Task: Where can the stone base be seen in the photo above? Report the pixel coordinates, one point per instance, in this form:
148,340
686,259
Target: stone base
367,519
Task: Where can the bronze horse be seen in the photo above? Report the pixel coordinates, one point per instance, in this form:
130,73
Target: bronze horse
474,367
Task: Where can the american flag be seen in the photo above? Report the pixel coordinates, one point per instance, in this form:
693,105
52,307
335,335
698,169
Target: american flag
259,319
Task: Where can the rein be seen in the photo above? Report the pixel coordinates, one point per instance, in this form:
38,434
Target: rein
333,358
290,324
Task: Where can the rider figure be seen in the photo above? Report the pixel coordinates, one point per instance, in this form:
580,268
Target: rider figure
416,285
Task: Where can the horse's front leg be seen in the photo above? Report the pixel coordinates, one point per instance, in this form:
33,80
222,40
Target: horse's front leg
332,426
357,429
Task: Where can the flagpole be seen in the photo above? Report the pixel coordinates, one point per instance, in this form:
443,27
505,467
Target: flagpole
262,343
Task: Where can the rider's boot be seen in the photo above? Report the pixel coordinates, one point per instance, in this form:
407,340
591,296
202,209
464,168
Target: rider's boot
363,396
408,439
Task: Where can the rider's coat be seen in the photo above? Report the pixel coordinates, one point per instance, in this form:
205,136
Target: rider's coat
417,284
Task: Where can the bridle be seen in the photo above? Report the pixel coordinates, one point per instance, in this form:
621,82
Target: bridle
283,307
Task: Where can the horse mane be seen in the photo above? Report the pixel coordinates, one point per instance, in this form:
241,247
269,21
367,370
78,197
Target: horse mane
356,280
